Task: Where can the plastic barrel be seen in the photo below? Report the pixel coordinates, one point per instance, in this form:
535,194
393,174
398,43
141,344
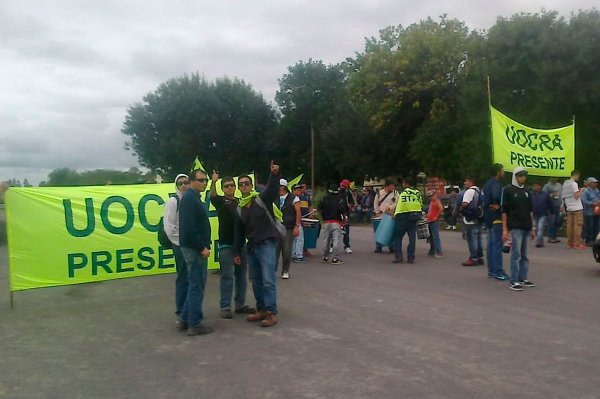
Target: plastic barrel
375,222
385,231
311,232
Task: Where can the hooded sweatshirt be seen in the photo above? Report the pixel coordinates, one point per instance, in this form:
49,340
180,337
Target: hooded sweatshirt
171,215
517,204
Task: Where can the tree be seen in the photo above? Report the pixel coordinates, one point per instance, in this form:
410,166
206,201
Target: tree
226,123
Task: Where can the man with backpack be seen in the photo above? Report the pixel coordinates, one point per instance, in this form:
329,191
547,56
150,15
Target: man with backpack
171,230
471,209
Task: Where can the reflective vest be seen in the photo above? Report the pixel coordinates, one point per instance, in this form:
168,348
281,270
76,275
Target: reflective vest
409,201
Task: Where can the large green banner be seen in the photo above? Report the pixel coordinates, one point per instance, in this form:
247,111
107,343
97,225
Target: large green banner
543,152
71,235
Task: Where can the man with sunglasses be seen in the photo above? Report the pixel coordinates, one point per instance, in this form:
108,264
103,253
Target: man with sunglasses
226,207
256,225
171,226
195,239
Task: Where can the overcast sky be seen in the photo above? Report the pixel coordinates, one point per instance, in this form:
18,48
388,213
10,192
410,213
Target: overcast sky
70,69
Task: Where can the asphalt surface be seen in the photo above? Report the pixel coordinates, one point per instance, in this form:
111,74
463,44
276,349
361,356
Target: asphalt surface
364,329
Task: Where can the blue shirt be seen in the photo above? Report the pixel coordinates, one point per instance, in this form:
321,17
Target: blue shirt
492,194
588,198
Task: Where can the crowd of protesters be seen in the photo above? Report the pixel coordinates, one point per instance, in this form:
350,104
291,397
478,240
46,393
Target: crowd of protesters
260,232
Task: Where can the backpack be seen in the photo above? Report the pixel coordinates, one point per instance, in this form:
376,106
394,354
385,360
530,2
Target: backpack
162,236
475,209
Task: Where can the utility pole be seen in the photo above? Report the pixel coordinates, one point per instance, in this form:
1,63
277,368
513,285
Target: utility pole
312,158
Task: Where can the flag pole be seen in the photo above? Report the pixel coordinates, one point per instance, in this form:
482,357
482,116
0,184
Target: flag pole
490,111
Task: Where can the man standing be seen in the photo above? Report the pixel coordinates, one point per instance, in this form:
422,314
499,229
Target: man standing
306,209
298,245
571,195
554,190
517,221
492,213
349,203
385,202
289,205
542,206
433,215
408,212
226,207
171,227
469,208
256,224
590,200
332,208
194,236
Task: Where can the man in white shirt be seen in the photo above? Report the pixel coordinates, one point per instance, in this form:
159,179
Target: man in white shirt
385,202
571,195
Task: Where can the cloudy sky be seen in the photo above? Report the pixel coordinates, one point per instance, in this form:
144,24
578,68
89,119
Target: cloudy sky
70,69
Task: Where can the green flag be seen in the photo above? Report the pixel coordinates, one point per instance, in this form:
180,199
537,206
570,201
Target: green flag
542,152
295,181
198,166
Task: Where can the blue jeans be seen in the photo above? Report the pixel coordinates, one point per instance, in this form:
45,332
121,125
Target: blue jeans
474,240
262,261
554,220
591,227
196,270
405,226
540,223
519,263
181,283
298,246
494,249
434,232
228,271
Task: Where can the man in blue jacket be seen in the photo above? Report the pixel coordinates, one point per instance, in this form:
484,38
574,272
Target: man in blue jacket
195,240
492,213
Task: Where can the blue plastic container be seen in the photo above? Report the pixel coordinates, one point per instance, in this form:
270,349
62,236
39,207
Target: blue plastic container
311,232
385,231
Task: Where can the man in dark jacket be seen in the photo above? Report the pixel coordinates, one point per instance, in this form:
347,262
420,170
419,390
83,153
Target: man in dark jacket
255,224
195,240
333,209
542,209
289,204
492,213
517,221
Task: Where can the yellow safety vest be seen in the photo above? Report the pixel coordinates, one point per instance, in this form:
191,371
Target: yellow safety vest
410,200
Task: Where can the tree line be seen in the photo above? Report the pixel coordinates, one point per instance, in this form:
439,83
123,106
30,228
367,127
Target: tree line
415,99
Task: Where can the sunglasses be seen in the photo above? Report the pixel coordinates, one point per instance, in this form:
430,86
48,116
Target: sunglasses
230,185
182,183
244,183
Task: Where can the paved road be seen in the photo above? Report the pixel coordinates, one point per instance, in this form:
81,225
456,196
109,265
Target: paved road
365,329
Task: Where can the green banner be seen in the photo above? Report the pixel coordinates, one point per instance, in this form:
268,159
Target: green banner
72,235
542,152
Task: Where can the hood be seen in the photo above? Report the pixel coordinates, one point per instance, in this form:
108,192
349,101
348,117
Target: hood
175,182
514,176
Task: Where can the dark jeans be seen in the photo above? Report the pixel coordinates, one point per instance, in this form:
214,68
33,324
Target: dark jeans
347,235
181,282
434,238
229,270
590,225
494,249
405,226
284,250
474,240
554,220
519,262
196,271
449,217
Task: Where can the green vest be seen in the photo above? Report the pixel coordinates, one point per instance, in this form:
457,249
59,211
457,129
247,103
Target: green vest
409,201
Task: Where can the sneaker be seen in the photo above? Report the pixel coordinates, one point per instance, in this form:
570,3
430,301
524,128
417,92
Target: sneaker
448,227
348,250
491,275
377,250
516,286
453,227
469,262
502,277
480,261
527,284
438,256
285,276
539,245
245,309
269,320
553,241
399,260
336,261
411,261
300,260
226,314
199,330
181,325
325,259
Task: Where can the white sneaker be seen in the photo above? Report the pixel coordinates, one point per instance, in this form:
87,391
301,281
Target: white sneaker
348,250
448,227
453,227
285,275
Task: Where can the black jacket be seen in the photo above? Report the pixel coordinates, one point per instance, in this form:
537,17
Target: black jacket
333,207
289,212
194,226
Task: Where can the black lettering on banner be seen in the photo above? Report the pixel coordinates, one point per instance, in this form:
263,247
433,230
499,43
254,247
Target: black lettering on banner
530,161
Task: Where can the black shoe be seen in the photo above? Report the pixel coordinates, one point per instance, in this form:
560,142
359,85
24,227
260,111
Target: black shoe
391,250
245,309
527,284
199,330
325,259
502,277
400,260
516,286
480,261
411,261
336,261
491,275
377,250
226,314
181,325
539,245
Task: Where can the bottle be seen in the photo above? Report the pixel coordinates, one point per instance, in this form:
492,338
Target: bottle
507,245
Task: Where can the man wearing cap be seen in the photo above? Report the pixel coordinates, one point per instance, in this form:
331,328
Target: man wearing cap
571,195
289,205
590,200
517,222
298,245
349,202
408,212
